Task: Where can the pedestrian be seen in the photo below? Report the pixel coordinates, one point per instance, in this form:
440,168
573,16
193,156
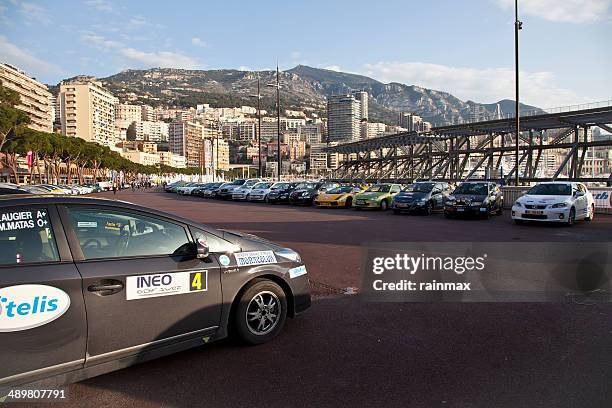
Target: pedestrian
133,185
114,188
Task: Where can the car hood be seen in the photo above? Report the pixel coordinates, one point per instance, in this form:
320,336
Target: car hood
331,196
469,197
411,195
300,191
370,195
543,199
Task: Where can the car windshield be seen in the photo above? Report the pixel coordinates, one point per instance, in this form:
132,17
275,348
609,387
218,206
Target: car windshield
472,188
551,189
238,182
281,186
262,185
380,188
422,187
342,190
251,183
306,186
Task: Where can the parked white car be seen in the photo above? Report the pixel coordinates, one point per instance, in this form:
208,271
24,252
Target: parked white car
242,193
187,189
260,191
559,201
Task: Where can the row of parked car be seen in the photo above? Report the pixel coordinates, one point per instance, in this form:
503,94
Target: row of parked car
73,189
563,201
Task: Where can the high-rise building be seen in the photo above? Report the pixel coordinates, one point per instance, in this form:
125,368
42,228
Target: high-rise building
187,139
35,97
320,161
344,114
362,97
221,154
88,111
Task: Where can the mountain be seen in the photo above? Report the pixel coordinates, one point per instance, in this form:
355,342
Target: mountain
302,87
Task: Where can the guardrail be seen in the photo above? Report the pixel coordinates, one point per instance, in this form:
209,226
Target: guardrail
602,195
558,109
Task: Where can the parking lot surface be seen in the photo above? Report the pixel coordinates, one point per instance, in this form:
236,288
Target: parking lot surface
345,352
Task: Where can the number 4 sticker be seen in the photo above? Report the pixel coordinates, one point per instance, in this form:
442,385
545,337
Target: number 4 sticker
198,281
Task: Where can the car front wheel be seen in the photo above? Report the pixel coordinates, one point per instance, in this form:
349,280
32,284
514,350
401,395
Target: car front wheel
591,214
571,217
261,312
383,205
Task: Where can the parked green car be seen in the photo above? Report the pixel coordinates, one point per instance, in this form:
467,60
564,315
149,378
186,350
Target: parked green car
378,196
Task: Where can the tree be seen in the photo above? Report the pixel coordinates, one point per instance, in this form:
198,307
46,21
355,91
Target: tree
11,118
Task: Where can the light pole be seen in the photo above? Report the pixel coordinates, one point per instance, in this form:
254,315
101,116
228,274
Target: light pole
258,96
277,86
517,26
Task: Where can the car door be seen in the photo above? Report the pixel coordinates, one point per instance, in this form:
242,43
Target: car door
142,283
43,327
582,206
437,197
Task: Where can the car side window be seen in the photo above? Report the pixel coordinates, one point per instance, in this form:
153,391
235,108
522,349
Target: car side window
215,244
395,189
103,233
26,236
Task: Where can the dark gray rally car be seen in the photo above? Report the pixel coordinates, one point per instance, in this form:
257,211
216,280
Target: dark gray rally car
88,286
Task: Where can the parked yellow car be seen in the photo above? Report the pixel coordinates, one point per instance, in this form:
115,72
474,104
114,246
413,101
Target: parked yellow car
378,196
338,197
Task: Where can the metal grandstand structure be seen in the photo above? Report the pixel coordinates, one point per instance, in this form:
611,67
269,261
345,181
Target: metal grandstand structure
481,149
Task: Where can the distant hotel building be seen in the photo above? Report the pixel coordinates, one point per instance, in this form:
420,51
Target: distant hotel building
35,97
344,115
88,111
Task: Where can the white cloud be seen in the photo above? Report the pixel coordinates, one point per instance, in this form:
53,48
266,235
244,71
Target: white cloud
161,59
567,11
101,42
333,68
100,5
25,61
32,13
480,85
198,42
244,68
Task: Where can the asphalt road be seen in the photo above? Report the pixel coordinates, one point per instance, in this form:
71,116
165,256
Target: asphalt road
345,352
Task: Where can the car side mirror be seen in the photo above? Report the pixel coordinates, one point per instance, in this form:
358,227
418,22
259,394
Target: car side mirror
202,249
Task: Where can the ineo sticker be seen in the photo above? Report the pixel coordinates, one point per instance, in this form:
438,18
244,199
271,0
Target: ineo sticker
224,260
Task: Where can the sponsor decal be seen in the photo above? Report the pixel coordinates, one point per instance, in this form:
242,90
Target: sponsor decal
87,224
298,271
24,307
603,198
255,258
20,220
224,260
165,284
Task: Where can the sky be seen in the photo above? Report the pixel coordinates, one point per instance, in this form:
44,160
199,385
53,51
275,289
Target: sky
462,47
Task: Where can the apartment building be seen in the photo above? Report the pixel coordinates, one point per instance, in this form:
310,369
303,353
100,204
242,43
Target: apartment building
322,162
311,133
172,160
187,139
87,111
221,154
149,131
35,98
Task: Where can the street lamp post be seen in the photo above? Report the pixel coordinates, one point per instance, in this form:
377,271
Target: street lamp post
278,153
258,96
517,26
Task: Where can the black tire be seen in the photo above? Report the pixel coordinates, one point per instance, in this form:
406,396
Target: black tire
571,218
429,208
500,211
383,205
248,305
266,199
348,203
397,212
591,214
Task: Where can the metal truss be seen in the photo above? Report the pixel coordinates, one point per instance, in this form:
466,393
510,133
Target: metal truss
479,150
